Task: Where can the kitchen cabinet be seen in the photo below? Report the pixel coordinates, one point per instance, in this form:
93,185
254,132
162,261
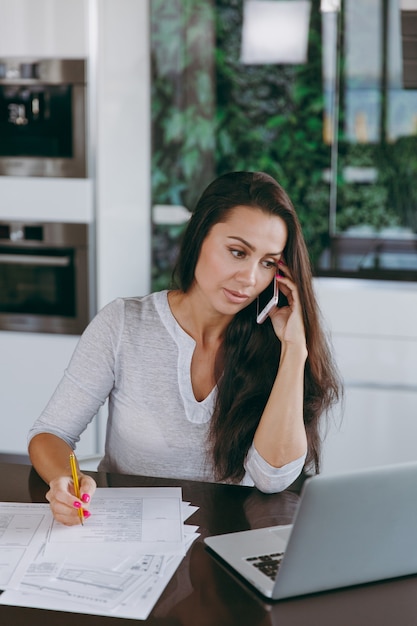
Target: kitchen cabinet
113,36
373,331
46,28
31,366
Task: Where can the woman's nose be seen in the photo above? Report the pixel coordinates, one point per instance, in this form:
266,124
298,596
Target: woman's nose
247,275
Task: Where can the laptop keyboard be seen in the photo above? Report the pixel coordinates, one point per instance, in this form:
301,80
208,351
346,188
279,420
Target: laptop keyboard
268,564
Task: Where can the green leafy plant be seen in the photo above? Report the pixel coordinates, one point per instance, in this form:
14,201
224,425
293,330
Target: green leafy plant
212,114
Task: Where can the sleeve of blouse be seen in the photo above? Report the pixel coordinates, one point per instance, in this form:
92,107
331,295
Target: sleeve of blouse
88,379
267,478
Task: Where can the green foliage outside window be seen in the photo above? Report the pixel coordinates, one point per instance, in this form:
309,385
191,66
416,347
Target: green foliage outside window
211,114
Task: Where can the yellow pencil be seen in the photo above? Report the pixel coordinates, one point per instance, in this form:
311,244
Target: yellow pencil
76,484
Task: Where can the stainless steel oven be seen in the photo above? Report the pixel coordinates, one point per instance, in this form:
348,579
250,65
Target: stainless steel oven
43,117
44,277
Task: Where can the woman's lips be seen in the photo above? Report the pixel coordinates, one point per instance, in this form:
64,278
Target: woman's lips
235,296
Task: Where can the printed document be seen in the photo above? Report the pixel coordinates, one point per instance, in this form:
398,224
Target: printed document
117,563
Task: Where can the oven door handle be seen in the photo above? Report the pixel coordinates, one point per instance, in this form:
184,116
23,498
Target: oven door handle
34,259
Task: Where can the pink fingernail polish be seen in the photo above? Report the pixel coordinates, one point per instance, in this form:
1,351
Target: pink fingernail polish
86,513
77,504
85,497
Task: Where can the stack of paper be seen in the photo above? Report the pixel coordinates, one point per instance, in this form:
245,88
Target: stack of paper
117,563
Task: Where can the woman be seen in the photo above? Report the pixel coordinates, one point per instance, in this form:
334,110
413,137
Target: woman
197,388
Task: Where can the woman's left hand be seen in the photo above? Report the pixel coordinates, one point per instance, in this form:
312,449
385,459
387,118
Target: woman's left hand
288,320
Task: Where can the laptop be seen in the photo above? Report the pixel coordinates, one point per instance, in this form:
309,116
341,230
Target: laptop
349,529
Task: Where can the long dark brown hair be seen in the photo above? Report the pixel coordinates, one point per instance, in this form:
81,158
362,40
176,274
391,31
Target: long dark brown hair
251,352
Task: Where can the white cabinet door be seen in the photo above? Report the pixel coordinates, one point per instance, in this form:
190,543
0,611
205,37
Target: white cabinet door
45,28
374,333
379,427
31,365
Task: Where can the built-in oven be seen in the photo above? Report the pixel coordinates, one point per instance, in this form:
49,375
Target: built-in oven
43,117
44,277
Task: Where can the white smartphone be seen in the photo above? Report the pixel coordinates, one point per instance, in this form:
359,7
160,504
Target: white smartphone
266,301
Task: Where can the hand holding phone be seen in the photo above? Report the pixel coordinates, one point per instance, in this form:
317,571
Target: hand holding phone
267,300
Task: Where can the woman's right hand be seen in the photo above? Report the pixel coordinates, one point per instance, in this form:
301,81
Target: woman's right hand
65,505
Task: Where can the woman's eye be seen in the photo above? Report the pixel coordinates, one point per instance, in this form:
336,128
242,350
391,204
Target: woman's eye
239,254
270,264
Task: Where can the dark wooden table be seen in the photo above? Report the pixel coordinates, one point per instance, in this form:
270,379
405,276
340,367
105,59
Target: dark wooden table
202,592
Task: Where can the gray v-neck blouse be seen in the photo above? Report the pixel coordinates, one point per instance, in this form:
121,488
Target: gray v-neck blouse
136,354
